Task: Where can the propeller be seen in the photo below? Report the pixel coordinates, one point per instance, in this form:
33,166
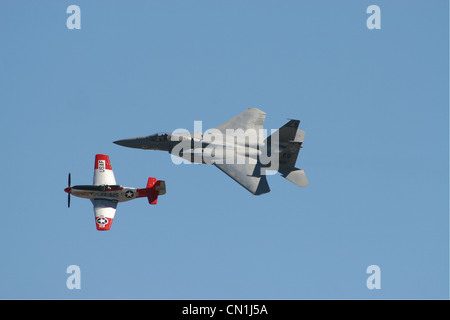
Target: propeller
68,195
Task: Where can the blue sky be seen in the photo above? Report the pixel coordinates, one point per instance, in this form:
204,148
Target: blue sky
373,103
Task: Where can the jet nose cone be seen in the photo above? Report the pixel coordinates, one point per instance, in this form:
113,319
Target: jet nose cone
140,143
123,142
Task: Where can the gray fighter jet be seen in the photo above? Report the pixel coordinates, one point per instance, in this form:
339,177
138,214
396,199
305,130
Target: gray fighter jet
238,148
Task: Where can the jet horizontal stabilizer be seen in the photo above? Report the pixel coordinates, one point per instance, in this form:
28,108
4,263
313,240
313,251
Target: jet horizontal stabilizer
296,176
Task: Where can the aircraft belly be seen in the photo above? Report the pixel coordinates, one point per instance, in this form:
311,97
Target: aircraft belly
121,196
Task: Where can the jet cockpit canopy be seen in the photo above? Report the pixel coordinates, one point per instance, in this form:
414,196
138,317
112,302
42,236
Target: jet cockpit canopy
160,136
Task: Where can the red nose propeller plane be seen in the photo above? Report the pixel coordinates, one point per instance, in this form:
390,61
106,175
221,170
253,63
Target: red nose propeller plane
105,193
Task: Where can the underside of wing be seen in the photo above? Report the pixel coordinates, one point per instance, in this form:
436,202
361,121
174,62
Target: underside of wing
103,173
247,175
252,118
104,210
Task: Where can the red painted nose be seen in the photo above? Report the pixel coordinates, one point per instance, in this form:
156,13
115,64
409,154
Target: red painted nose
68,190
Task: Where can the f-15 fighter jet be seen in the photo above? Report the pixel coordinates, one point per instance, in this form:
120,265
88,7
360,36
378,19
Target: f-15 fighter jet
105,193
238,148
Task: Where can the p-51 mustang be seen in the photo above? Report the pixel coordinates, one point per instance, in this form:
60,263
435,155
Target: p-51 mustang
105,193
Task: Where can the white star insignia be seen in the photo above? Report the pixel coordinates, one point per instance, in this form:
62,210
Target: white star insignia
129,194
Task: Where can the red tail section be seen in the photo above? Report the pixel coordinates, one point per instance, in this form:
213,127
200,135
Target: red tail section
152,194
151,182
154,189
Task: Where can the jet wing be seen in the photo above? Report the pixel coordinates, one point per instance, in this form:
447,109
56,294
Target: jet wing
252,118
247,175
104,210
103,172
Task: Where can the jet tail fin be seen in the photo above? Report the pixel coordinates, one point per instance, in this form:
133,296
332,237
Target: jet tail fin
287,141
288,133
